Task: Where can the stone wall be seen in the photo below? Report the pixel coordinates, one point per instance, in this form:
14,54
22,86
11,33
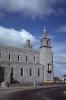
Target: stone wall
12,62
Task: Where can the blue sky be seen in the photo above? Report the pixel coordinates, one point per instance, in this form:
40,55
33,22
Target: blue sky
25,19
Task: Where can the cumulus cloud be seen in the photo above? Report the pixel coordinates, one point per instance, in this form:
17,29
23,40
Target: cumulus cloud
12,37
59,58
62,28
31,8
59,50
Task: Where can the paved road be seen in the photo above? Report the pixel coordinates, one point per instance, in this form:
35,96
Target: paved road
54,93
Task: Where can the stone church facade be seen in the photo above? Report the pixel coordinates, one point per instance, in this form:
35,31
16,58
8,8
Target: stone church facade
27,65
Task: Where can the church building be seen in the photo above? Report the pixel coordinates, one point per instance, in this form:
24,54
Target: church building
27,65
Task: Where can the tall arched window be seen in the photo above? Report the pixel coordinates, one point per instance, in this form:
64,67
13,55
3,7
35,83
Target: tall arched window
22,71
30,72
34,58
0,54
49,68
9,56
38,72
18,57
47,42
26,58
11,75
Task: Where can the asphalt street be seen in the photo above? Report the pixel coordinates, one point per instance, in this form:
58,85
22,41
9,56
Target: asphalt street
50,93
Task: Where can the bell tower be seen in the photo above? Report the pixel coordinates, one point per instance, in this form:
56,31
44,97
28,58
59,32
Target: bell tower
45,41
46,57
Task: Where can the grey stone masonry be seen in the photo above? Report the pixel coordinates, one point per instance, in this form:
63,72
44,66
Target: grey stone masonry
27,65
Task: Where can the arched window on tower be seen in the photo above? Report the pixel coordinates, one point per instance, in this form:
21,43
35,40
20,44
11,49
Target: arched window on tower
48,43
49,68
41,42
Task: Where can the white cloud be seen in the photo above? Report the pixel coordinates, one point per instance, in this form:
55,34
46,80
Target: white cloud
12,37
62,28
59,50
31,8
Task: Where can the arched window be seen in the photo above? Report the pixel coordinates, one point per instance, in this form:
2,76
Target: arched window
0,54
26,58
47,42
30,72
38,72
12,71
9,56
34,58
49,68
22,71
18,57
11,75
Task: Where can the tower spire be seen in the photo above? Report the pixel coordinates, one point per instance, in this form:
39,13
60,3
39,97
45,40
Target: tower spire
45,29
45,35
45,41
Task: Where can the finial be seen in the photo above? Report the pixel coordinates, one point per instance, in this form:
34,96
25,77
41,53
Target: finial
45,29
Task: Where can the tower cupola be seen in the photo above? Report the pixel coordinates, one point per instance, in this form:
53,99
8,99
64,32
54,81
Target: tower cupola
45,33
45,41
28,44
